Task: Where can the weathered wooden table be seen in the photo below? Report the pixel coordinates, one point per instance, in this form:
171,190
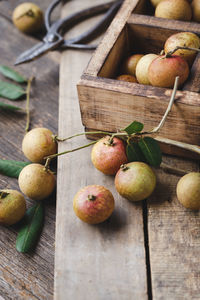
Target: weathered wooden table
27,276
145,249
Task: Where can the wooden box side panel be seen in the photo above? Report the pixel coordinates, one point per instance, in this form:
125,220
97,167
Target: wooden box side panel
110,110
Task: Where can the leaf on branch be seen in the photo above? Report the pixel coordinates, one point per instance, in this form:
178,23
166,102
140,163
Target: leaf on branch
151,151
5,106
12,168
11,91
12,74
134,127
31,228
134,152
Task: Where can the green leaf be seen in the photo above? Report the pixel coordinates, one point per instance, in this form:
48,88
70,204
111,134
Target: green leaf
31,228
134,127
5,106
151,151
11,91
134,152
12,74
12,168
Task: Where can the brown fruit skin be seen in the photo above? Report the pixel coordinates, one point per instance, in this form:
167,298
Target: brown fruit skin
174,9
188,190
128,78
142,68
38,143
25,22
196,10
97,210
35,182
163,71
129,66
135,181
108,158
12,207
187,39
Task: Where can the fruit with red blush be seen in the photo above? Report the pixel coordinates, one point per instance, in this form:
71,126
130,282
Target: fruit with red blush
93,204
108,154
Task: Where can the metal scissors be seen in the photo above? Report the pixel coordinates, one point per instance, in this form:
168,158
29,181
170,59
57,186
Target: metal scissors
54,39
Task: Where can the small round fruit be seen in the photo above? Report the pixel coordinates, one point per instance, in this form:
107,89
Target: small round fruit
155,2
93,204
163,71
12,207
129,66
174,9
38,143
196,10
28,17
188,190
107,157
183,39
128,78
135,181
36,182
142,68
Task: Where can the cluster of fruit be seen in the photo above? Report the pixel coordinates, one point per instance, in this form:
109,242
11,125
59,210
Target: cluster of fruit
35,181
183,10
134,181
161,70
93,204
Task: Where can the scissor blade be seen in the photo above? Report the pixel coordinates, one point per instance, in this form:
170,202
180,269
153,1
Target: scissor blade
32,53
37,50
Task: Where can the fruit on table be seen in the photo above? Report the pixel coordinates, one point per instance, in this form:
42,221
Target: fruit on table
174,9
36,182
108,156
128,78
196,10
12,206
142,68
93,204
188,190
155,2
28,17
187,39
38,143
135,181
163,71
129,65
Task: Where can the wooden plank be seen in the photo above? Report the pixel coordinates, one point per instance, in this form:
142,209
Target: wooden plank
27,276
106,261
173,240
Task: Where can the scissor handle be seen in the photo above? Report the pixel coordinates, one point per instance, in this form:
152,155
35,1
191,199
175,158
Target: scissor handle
79,41
48,12
67,23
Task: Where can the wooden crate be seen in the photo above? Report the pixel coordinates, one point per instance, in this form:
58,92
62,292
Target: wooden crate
109,104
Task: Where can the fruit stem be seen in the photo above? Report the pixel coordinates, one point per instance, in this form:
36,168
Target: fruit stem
50,157
91,197
169,54
173,170
171,102
3,194
28,13
185,146
79,134
27,103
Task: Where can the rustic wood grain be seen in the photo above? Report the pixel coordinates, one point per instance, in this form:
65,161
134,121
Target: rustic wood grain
27,276
105,261
173,239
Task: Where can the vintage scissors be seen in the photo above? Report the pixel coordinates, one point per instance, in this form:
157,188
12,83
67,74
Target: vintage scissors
54,40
